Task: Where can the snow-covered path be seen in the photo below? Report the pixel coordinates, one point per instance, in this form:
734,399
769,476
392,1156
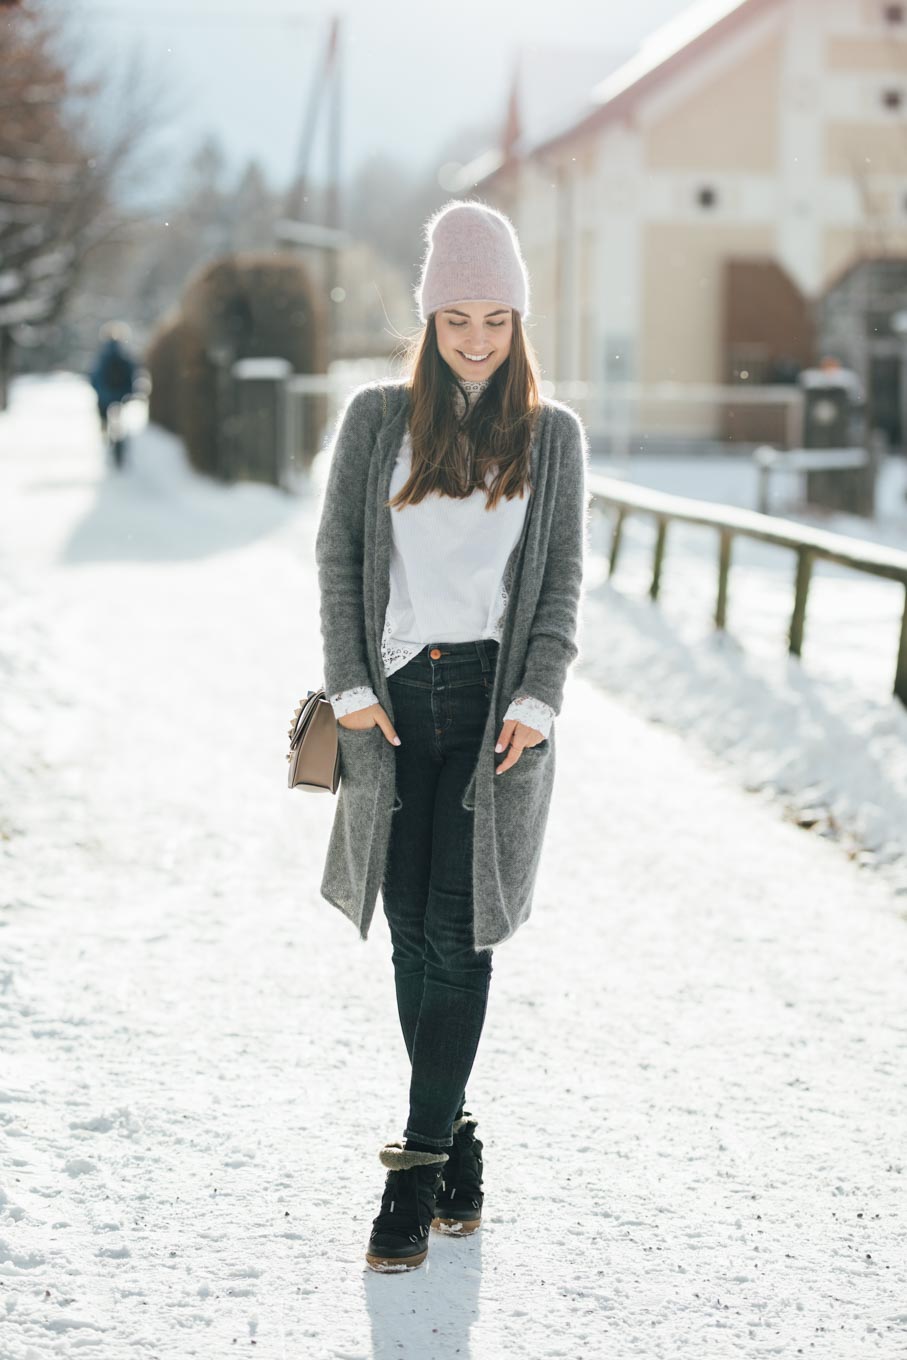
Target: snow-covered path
691,1083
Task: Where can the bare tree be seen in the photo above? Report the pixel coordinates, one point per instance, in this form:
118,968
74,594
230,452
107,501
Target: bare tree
59,173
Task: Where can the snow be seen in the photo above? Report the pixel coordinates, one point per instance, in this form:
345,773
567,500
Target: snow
825,736
690,1085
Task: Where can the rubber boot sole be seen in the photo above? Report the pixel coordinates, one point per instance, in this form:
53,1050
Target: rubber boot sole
456,1227
395,1265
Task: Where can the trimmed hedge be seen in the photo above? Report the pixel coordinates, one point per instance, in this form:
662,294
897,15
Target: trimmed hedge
243,306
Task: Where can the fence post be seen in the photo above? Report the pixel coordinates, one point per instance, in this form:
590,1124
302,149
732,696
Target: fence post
261,407
763,457
798,619
615,541
900,675
659,556
762,502
221,356
725,539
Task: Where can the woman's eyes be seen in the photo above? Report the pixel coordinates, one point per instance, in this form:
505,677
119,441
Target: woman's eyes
458,324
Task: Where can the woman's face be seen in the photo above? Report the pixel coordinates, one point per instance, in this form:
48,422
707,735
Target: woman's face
474,337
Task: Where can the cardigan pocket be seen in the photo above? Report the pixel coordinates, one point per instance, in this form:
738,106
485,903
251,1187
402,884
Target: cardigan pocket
533,759
522,793
525,784
530,771
359,753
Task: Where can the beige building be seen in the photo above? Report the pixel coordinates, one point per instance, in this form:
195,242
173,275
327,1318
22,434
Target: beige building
734,203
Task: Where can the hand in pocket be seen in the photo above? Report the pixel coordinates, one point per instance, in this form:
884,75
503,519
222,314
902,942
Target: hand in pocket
362,719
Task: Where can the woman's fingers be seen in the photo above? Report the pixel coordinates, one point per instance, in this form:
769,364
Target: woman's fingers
518,736
505,734
512,735
360,719
387,727
372,716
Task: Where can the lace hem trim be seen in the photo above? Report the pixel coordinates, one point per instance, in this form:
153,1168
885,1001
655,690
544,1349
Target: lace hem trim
503,596
533,712
350,700
393,655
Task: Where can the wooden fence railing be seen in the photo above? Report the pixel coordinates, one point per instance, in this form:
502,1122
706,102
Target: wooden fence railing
806,543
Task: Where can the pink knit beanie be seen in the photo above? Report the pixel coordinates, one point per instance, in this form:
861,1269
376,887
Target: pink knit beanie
473,254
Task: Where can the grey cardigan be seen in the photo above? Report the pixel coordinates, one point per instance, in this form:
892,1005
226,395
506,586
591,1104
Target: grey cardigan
539,642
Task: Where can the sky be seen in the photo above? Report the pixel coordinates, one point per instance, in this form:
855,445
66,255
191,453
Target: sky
413,73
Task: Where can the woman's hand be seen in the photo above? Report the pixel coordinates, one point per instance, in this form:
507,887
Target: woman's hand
372,716
518,735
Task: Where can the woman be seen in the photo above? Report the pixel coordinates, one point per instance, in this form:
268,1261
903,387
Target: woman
450,554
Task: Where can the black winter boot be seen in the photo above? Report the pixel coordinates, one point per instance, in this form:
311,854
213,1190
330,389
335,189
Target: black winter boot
400,1232
458,1206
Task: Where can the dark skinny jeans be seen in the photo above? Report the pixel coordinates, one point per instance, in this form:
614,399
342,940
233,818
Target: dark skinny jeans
442,982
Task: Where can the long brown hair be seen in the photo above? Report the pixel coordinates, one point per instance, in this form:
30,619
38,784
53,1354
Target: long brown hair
452,455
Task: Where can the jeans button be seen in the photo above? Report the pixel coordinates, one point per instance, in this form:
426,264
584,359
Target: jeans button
435,653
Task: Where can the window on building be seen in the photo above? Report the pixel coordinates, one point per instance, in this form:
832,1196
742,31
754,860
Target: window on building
893,99
706,197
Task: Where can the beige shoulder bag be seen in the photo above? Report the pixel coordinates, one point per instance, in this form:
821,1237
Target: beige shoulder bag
314,751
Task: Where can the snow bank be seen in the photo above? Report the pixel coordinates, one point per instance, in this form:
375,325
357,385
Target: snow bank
824,734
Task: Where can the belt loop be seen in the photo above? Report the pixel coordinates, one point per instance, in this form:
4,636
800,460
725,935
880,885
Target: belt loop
482,649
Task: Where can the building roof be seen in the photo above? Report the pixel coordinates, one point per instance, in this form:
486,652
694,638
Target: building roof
662,53
551,89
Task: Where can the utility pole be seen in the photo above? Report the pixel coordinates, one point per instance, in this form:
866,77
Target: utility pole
294,229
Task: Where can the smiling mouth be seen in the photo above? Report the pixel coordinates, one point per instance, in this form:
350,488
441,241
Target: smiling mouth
474,359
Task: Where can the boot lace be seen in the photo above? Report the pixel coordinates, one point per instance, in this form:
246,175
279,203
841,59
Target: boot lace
462,1175
408,1202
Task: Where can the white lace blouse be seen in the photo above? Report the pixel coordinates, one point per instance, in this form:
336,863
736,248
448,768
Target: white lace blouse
447,579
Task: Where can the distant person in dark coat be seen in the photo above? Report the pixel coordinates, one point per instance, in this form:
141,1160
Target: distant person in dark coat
113,372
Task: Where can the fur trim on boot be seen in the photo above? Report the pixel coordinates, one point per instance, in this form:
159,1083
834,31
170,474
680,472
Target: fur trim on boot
400,1232
396,1157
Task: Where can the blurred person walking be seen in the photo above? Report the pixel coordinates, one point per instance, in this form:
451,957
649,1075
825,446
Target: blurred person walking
450,551
113,377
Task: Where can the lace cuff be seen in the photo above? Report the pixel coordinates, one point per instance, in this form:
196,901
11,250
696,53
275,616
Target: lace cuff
532,712
350,700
